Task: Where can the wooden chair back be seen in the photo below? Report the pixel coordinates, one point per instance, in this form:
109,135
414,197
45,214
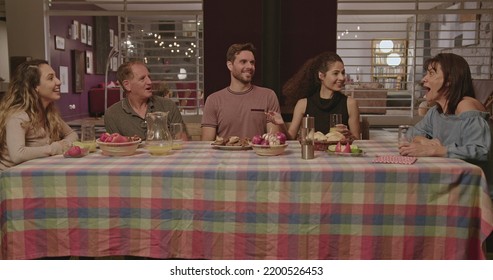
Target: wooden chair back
194,131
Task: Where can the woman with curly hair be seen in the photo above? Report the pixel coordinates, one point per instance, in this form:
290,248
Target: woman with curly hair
30,125
316,89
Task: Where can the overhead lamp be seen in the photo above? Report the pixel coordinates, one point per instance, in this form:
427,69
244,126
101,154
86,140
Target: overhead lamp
183,74
386,46
393,59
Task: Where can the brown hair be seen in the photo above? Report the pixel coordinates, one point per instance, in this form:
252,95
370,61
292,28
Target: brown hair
21,96
125,72
235,49
457,80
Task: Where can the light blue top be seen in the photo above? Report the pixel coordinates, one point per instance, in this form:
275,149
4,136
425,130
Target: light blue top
466,136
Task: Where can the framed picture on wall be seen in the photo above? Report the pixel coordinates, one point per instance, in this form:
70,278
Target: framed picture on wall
59,43
75,30
112,35
89,63
78,66
89,35
83,33
64,79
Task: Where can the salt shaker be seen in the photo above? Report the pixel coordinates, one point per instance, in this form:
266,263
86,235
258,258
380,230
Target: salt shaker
307,134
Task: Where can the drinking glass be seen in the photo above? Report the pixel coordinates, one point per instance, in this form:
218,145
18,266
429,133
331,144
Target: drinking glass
176,133
335,119
88,135
401,135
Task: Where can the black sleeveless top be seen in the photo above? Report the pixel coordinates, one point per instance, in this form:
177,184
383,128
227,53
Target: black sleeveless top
322,108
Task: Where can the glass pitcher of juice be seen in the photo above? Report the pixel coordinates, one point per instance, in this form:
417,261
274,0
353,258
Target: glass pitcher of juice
158,139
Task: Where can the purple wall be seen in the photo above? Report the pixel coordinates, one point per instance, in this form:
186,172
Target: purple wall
59,26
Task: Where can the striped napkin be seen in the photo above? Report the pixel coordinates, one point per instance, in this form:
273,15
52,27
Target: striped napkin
395,159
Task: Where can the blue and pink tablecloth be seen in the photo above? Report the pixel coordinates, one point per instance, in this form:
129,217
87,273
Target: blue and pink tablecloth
203,203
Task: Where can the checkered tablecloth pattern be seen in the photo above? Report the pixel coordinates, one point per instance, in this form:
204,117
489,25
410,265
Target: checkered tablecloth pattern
203,203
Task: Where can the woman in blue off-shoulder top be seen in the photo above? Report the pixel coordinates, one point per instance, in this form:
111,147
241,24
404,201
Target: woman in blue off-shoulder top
457,126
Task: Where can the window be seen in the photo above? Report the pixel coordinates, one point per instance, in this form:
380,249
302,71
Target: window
427,28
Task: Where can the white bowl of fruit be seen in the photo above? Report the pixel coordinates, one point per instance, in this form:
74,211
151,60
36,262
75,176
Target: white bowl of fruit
269,144
118,145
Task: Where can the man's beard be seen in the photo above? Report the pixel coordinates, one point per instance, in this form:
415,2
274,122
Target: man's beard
242,79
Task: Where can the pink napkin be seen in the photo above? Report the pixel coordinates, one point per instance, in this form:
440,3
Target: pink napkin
395,159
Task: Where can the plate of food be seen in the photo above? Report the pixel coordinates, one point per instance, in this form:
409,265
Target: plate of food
355,154
233,143
346,150
323,141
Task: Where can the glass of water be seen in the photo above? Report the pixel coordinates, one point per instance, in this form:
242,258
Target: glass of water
402,135
88,135
335,119
177,133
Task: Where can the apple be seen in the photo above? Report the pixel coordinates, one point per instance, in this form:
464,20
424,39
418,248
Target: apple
106,137
119,139
257,140
281,137
74,151
103,137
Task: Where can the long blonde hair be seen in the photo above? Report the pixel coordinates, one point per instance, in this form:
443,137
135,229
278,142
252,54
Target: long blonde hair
21,96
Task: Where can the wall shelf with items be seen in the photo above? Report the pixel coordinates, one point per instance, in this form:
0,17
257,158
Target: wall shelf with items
389,58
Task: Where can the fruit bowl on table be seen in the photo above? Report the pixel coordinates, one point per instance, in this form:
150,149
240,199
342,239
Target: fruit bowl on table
118,148
269,150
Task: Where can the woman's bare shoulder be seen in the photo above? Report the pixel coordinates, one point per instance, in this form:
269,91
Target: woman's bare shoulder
469,104
301,102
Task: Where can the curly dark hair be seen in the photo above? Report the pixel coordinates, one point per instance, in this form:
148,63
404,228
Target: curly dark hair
305,82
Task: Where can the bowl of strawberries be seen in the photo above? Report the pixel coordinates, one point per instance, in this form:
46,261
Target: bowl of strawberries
118,145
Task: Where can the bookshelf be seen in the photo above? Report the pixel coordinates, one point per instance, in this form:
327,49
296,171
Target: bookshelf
389,58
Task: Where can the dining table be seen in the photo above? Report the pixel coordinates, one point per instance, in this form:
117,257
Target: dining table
219,203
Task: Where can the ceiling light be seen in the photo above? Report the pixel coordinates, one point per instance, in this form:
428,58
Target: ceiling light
393,59
386,46
183,74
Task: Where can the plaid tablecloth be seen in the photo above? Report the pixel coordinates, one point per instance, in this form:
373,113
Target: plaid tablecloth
203,203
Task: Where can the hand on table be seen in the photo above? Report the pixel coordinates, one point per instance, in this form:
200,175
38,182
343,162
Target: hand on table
425,141
416,149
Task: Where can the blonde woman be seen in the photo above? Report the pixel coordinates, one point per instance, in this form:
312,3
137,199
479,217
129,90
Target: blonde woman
30,125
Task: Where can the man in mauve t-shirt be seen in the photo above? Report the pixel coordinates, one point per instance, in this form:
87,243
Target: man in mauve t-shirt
240,109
